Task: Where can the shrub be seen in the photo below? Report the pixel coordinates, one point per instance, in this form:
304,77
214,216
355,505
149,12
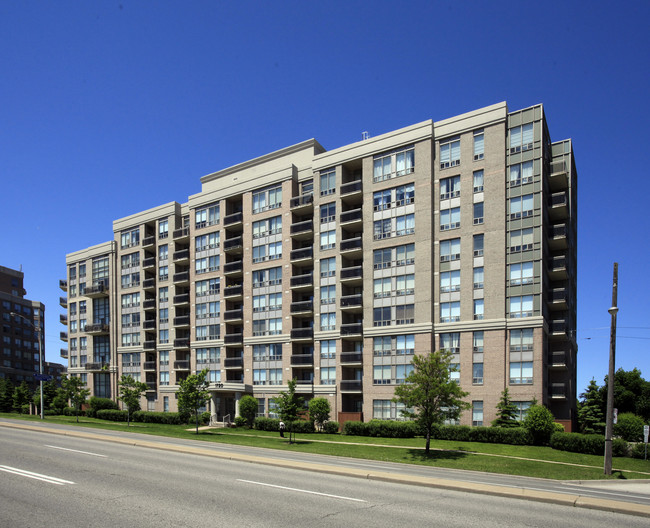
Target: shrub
205,418
459,433
638,450
112,415
247,409
629,427
70,411
539,421
331,427
301,426
382,428
97,404
240,421
170,418
587,444
266,424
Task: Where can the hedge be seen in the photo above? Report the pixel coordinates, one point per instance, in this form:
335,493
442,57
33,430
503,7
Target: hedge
266,424
70,411
112,415
170,418
381,428
331,427
588,444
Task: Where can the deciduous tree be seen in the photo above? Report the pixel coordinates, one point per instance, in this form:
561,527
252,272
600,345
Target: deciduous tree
288,404
193,394
75,391
248,409
319,411
131,391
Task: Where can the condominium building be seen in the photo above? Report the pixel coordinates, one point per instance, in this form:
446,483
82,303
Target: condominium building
303,264
21,320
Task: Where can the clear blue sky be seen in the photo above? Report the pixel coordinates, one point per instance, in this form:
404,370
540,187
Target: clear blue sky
110,108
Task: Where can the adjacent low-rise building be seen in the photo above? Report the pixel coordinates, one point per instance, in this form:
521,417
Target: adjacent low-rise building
335,267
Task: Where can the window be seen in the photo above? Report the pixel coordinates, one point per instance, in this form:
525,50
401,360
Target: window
449,312
163,273
130,260
454,372
521,273
387,410
265,252
73,272
450,281
164,377
207,216
382,229
328,321
267,352
82,269
262,303
328,294
478,278
163,315
131,280
206,356
265,199
479,309
522,409
163,252
521,173
267,376
208,332
396,197
521,340
390,315
521,372
478,242
328,349
477,374
405,254
450,250
450,153
521,138
521,306
478,213
164,358
478,181
267,277
405,225
163,229
382,200
130,320
449,187
208,310
267,227
521,207
521,240
381,316
327,182
477,413
165,403
381,375
128,239
328,376
393,164
263,327
207,264
405,284
328,267
328,213
328,240
449,218
450,342
131,339
405,314
209,241
100,271
479,146
404,194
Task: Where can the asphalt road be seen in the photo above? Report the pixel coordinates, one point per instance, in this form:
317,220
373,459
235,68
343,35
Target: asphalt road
55,480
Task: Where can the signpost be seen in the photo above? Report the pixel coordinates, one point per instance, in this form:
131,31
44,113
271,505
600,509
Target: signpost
42,377
646,432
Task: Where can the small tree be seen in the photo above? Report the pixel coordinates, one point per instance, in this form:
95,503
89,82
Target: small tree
248,409
130,393
22,396
539,421
506,412
429,394
6,395
629,427
319,411
288,404
590,417
60,401
193,394
75,391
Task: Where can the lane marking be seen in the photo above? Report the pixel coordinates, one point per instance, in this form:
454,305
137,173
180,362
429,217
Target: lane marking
301,490
36,476
76,451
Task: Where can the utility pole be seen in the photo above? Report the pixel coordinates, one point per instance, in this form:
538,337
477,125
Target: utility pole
609,419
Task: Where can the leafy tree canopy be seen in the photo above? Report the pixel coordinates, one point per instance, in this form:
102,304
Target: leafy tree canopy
193,394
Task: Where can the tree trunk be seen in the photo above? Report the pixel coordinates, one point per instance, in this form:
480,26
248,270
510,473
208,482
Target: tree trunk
426,447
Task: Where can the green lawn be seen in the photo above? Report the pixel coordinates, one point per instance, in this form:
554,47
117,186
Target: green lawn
532,461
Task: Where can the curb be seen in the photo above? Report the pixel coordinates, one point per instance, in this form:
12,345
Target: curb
564,499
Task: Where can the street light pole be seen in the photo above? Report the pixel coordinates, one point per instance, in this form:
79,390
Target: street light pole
609,419
40,353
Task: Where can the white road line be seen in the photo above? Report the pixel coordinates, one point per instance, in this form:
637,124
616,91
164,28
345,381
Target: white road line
76,451
301,490
37,476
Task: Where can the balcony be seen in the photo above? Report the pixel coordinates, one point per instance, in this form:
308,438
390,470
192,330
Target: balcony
559,328
302,334
182,342
149,345
302,360
558,206
149,324
149,284
64,353
149,365
148,241
233,245
96,290
352,303
557,391
354,217
233,339
557,269
181,278
151,385
63,302
351,386
233,316
305,281
182,320
558,179
63,336
351,246
302,230
351,330
182,365
233,268
181,256
351,358
98,329
149,304
233,362
302,307
97,365
304,202
183,298
63,284
352,275
351,188
233,292
182,233
63,319
233,219
149,262
557,237
302,254
557,359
